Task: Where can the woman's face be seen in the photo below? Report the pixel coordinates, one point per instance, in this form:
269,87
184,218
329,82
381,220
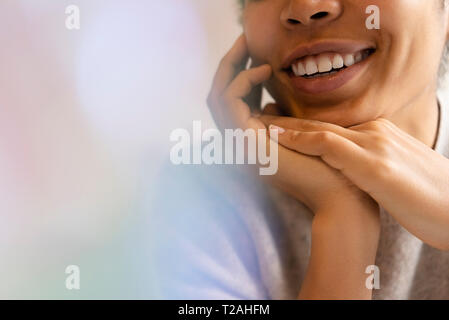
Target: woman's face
393,65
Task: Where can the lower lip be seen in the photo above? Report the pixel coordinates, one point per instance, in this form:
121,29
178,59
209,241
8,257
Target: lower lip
328,83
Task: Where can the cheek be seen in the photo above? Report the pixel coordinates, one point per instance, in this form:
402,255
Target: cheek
408,19
413,30
262,38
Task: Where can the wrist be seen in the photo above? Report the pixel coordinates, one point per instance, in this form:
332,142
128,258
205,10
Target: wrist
358,212
353,226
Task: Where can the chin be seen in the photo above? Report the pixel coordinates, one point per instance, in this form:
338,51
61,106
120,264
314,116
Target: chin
347,107
345,114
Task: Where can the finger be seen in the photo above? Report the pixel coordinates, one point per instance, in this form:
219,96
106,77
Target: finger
337,151
306,125
230,65
254,99
242,85
240,88
384,127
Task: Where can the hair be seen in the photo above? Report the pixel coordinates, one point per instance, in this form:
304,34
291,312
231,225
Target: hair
444,65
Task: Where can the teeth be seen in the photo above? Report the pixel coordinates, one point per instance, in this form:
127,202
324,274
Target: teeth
327,62
324,63
311,66
338,62
295,70
298,69
301,69
349,60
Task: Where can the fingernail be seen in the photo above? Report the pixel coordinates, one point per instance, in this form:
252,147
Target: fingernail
276,128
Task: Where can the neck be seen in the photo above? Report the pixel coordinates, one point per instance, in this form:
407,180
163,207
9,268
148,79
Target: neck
420,118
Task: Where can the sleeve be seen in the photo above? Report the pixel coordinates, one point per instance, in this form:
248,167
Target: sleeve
201,248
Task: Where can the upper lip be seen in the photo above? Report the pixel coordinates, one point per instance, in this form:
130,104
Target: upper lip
315,48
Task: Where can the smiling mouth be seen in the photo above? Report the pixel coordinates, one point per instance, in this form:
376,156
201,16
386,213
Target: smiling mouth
326,64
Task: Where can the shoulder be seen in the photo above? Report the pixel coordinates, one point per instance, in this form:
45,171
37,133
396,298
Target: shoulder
204,247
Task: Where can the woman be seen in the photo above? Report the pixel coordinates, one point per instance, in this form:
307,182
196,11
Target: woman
363,173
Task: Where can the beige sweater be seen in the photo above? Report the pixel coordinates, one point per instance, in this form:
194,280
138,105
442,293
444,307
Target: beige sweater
226,236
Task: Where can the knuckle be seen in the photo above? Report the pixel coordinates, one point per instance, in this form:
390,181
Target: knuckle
310,125
252,124
387,125
225,60
384,121
325,137
245,76
383,168
377,125
294,136
381,144
307,125
226,97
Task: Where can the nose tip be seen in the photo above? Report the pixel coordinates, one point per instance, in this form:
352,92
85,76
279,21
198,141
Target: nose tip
310,12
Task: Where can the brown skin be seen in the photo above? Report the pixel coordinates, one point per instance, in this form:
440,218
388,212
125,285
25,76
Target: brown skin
316,158
400,80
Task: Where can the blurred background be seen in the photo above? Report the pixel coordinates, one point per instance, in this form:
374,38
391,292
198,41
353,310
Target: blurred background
85,118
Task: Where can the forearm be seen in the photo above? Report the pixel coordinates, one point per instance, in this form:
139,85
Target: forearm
423,209
344,243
